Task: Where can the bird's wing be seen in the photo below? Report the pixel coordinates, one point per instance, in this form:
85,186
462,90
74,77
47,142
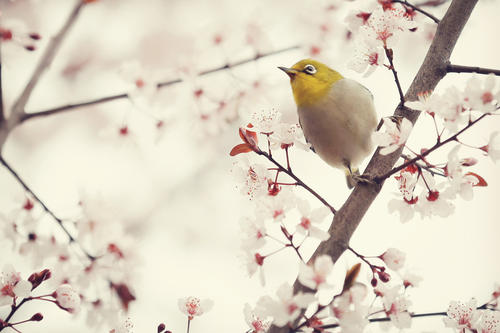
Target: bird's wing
310,145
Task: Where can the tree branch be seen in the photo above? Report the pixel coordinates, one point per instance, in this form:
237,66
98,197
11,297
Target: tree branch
159,85
2,114
433,69
46,60
57,219
470,69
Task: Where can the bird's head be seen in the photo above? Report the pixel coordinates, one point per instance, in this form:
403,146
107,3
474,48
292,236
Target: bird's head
311,80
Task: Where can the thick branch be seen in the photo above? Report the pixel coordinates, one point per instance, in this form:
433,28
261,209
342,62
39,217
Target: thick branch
159,85
433,69
46,60
470,69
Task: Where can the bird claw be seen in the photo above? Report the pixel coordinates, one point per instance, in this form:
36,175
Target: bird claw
364,179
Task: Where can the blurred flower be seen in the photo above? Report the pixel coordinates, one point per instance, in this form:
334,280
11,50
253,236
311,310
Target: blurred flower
193,306
67,298
265,121
393,258
315,276
255,322
309,218
287,135
411,279
493,146
479,94
287,307
367,57
124,327
254,233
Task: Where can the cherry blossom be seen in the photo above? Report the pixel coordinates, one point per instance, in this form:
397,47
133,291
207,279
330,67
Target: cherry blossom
252,178
397,310
254,321
287,307
193,306
493,147
396,134
67,298
411,279
125,326
479,94
265,121
367,57
315,276
489,322
287,135
255,261
349,310
12,286
309,218
393,258
462,315
254,233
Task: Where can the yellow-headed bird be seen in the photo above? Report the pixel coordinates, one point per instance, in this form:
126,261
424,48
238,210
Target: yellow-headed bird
337,115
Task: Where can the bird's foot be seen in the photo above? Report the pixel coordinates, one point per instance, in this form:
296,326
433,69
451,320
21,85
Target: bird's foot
365,179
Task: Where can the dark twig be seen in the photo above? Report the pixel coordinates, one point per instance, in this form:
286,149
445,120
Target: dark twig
57,219
297,179
13,310
418,9
471,69
159,85
425,167
390,55
46,59
430,150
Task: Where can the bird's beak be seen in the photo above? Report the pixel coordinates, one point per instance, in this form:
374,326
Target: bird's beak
289,71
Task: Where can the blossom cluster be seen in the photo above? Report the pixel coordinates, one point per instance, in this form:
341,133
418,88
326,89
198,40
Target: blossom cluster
350,309
427,187
377,30
16,291
100,264
468,316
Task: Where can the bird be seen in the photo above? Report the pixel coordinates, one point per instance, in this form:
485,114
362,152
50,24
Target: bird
337,115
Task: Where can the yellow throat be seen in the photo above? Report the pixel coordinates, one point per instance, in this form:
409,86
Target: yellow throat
311,80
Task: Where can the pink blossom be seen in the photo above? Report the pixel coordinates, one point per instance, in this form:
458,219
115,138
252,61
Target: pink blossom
462,315
493,147
315,276
396,134
254,321
309,218
252,179
287,135
393,258
287,307
67,298
12,286
479,94
254,233
489,322
193,306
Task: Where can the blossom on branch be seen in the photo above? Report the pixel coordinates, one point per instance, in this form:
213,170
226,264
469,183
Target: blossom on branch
397,132
256,323
67,298
193,306
462,315
309,218
12,286
287,307
393,258
315,276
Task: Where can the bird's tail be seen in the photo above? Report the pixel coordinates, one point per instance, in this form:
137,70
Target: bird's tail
350,177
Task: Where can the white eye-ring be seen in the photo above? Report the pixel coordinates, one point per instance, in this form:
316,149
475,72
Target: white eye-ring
310,69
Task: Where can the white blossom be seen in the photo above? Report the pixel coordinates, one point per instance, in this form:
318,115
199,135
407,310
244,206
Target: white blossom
315,276
193,306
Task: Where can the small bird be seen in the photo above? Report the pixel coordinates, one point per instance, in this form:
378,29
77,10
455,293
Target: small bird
336,114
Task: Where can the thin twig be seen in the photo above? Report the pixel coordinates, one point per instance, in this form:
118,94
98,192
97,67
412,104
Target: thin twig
390,55
471,69
57,219
297,179
46,59
418,9
13,310
430,150
2,115
159,85
425,167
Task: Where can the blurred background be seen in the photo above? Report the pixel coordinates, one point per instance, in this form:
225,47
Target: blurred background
154,170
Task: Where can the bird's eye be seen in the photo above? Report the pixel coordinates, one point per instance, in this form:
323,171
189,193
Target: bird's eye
310,69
